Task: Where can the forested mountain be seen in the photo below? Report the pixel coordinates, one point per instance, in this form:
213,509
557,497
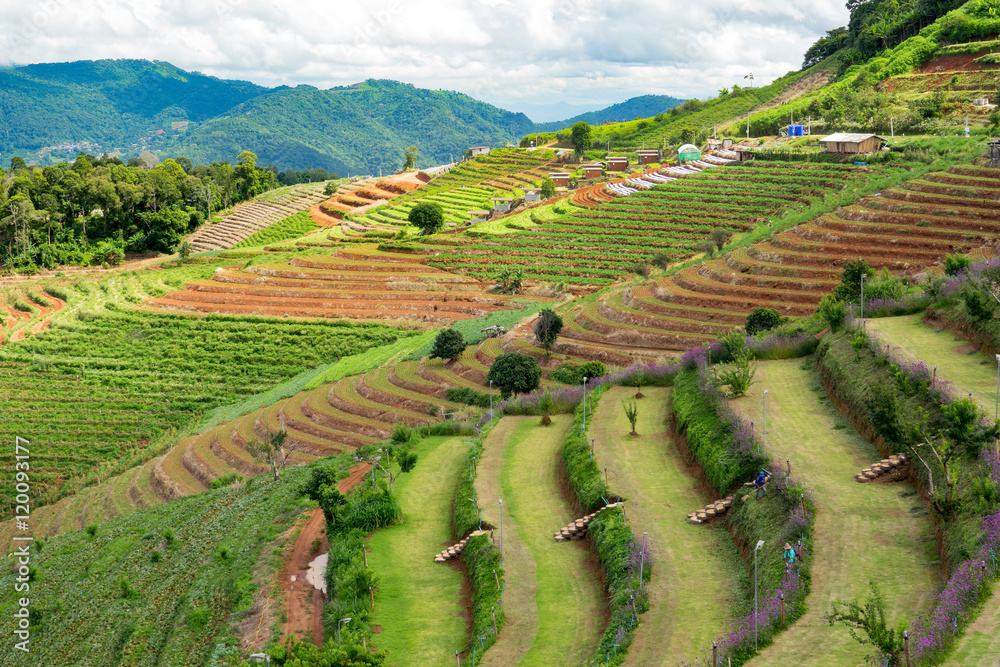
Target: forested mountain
51,112
635,107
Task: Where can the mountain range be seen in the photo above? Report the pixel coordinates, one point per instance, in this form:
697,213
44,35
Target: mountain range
51,112
632,108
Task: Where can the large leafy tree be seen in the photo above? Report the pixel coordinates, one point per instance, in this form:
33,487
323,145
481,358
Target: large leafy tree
515,373
448,344
582,136
547,328
428,216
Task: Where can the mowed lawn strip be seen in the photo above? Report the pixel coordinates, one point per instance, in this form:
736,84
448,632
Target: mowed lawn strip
420,602
691,584
570,598
957,361
973,371
519,603
863,531
563,596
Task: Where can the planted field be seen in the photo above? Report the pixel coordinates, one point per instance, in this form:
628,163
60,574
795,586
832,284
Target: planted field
160,586
355,283
256,215
598,245
878,531
904,229
291,227
419,601
94,391
692,578
554,604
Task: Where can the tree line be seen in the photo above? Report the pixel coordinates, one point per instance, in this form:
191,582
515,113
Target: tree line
95,209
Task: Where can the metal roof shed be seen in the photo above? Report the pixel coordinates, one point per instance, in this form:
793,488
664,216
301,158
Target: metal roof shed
852,143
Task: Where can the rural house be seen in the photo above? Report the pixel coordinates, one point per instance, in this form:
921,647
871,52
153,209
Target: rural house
560,178
617,163
479,150
849,144
650,155
592,171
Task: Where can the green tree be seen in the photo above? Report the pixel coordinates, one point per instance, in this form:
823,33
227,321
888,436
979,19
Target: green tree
849,288
448,344
273,453
762,319
955,264
428,216
410,161
868,617
547,329
515,373
17,163
833,311
548,188
631,413
582,137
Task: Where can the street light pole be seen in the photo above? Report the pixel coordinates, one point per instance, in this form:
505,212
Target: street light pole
862,300
642,557
339,623
583,427
501,530
764,427
759,545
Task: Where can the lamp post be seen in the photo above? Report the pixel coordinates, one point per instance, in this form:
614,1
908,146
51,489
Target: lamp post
642,558
764,426
592,445
583,427
491,403
862,300
339,623
377,459
756,549
501,530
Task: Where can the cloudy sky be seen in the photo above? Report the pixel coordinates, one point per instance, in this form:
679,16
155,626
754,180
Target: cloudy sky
547,58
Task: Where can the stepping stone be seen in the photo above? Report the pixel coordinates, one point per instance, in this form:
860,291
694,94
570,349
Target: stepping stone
701,515
860,478
691,515
560,538
870,475
439,559
728,502
710,512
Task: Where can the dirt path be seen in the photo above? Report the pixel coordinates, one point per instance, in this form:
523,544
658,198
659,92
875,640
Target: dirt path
564,596
863,531
690,588
303,603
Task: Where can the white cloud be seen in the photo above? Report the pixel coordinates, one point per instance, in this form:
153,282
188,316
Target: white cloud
509,52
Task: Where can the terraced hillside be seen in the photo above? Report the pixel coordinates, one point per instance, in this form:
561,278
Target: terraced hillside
904,229
355,282
256,215
593,247
358,195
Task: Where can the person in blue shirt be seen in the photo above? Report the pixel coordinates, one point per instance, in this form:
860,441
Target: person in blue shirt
761,484
789,554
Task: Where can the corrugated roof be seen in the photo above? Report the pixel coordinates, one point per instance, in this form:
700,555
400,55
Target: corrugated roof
847,137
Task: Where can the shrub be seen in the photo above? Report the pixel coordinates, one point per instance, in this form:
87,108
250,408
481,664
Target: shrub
833,312
226,480
954,264
548,188
468,396
740,375
401,434
661,260
92,529
547,328
573,374
762,319
407,461
514,373
977,304
448,344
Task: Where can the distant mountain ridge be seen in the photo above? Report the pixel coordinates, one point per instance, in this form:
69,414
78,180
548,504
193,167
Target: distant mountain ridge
635,107
50,112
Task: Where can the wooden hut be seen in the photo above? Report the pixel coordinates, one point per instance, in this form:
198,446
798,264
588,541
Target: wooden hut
560,178
617,164
592,171
650,155
850,144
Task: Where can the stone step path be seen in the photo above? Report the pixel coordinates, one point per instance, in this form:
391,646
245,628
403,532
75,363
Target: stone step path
896,463
711,510
457,549
577,530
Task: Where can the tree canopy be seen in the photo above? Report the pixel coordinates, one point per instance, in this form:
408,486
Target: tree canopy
515,373
448,344
428,216
582,136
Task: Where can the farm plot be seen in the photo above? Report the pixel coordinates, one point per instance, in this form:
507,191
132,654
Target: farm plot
791,271
554,604
596,246
356,283
862,531
254,216
93,392
420,602
690,588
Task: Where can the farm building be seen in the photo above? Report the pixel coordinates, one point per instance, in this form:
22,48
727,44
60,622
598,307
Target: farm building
591,171
501,204
531,194
847,143
994,149
479,150
560,178
650,155
478,216
617,163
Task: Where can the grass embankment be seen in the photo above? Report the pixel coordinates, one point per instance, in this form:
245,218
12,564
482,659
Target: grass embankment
863,531
552,599
957,361
969,370
420,601
691,583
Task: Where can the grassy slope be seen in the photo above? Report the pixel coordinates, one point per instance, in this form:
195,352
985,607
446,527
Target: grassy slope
980,645
85,620
863,531
562,598
420,606
690,589
955,359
